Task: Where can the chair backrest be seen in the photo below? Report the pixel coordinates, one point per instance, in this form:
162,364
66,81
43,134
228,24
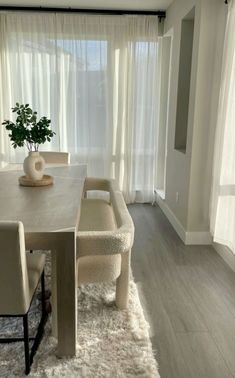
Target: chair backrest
14,283
51,157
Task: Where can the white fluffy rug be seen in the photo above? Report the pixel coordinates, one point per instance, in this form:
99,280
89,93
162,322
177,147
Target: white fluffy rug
111,343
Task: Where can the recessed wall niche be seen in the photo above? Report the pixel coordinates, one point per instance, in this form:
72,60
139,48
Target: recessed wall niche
184,78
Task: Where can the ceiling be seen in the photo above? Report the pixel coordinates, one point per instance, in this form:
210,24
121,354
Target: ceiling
96,4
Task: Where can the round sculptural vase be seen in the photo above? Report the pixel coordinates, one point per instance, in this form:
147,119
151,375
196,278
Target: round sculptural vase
34,166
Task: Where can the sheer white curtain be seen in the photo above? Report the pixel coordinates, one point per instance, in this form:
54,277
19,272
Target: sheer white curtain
223,193
96,78
164,64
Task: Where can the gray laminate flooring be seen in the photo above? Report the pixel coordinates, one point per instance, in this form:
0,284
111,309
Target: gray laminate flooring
188,295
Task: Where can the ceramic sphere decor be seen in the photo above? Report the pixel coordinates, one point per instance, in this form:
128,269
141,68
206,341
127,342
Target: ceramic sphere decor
29,132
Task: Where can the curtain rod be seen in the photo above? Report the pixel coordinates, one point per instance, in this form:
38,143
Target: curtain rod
160,14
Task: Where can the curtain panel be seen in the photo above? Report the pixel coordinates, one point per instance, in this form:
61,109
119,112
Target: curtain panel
223,190
96,78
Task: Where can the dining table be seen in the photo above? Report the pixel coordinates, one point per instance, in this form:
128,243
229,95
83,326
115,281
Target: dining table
50,216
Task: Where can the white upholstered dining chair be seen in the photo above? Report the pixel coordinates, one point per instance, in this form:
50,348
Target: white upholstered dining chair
52,157
20,274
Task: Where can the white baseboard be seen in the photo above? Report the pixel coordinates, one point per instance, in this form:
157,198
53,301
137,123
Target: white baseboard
188,238
226,254
160,193
198,238
172,218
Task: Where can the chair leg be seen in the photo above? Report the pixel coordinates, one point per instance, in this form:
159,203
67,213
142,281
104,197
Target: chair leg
43,294
26,344
37,339
40,331
122,283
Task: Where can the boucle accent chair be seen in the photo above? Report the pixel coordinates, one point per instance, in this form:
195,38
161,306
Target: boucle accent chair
20,274
104,239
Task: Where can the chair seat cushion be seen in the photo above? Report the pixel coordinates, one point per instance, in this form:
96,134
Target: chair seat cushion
35,265
96,215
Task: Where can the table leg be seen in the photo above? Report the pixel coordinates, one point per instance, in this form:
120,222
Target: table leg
54,294
66,296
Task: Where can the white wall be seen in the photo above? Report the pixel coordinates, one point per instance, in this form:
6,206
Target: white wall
189,174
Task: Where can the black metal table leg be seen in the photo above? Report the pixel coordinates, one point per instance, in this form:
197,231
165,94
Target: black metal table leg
26,344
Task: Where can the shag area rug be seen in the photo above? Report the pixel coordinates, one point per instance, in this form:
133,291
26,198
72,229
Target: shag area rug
110,342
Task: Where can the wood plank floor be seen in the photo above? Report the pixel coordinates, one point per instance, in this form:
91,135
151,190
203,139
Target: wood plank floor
188,295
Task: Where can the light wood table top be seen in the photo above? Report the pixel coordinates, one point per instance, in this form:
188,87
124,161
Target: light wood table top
50,216
51,208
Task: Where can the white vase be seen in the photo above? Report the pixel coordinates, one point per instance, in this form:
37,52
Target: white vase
34,165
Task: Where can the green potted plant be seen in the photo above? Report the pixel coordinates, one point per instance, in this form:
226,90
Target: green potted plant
30,132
